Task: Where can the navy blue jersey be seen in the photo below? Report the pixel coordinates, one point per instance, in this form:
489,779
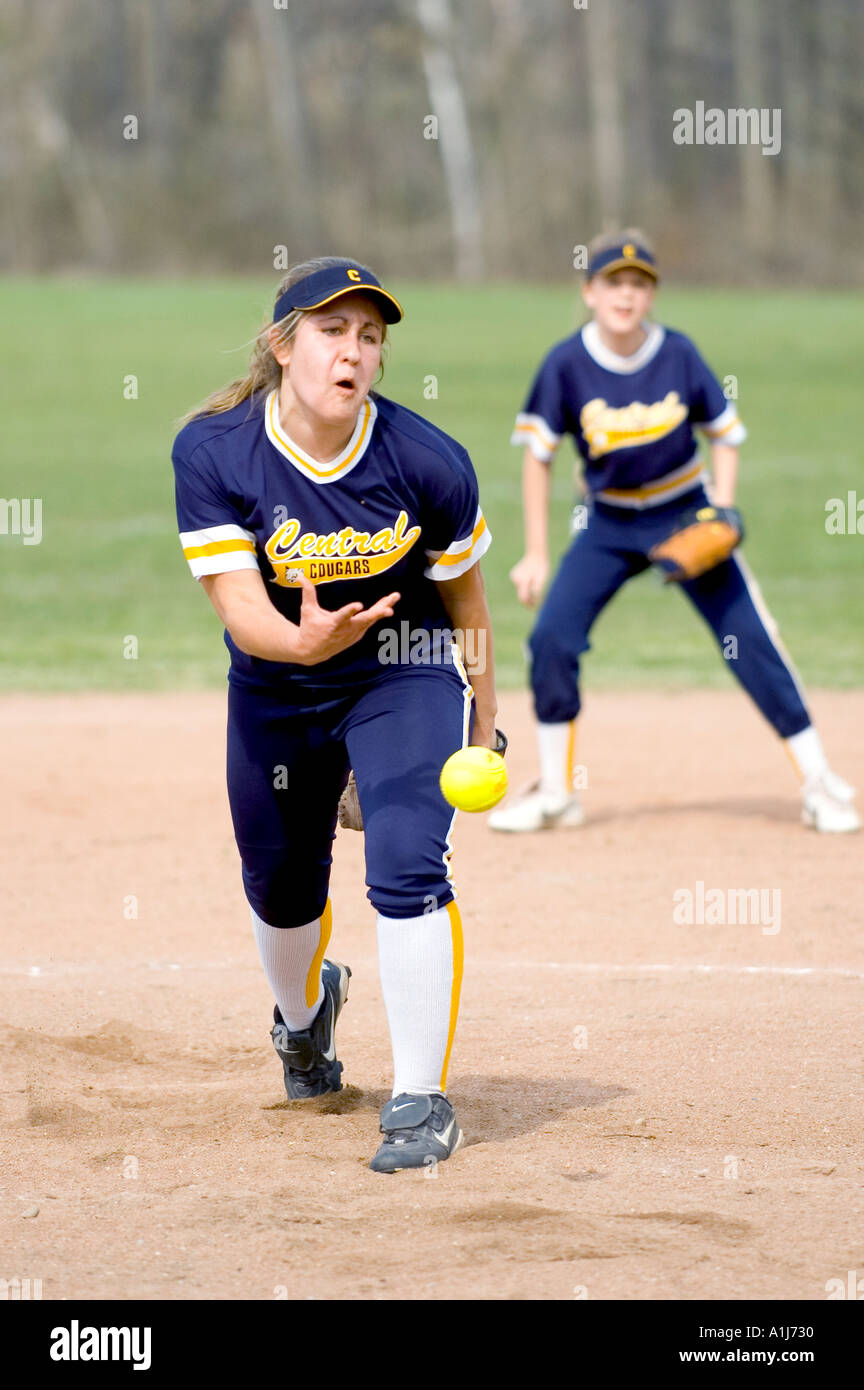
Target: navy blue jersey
397,510
632,418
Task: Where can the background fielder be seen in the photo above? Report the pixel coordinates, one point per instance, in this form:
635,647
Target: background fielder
631,393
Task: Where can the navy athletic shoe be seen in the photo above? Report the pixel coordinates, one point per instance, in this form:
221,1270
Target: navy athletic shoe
309,1057
419,1131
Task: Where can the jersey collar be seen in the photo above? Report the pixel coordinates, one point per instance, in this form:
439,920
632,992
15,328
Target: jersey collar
612,361
304,463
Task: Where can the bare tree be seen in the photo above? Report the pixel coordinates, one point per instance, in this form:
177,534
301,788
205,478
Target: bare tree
288,121
604,94
756,173
828,135
454,134
299,120
51,134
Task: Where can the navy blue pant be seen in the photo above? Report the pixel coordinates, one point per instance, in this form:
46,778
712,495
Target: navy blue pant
611,549
288,764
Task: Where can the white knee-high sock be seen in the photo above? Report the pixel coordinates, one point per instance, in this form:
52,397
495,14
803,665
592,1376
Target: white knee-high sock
292,958
420,961
557,747
807,754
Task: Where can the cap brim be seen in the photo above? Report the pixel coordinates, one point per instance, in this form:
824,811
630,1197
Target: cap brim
628,264
391,308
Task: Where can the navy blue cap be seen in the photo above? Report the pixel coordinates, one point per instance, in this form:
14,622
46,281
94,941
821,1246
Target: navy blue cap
322,286
625,255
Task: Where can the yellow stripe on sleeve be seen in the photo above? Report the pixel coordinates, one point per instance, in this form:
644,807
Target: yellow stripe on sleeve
527,424
197,552
718,434
528,427
448,559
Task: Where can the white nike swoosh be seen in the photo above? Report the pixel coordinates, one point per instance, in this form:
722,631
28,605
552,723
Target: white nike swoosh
403,1106
330,1052
445,1137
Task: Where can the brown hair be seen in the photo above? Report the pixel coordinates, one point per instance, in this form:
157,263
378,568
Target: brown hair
264,373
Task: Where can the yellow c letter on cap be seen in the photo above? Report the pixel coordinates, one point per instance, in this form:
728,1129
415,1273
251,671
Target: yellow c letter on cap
629,250
354,275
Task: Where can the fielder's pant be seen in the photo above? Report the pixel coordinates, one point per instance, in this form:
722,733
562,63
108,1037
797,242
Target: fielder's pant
613,548
288,764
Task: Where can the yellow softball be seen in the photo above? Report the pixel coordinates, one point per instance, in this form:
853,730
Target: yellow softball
474,779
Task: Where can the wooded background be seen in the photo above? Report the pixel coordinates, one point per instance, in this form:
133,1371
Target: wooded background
307,126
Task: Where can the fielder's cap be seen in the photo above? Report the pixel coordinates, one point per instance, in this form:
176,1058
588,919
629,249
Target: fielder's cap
322,286
624,255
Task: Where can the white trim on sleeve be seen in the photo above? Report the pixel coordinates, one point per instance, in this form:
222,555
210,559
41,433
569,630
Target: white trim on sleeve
536,433
219,549
726,428
458,558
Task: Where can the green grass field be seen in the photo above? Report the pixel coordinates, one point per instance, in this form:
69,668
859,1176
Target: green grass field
109,564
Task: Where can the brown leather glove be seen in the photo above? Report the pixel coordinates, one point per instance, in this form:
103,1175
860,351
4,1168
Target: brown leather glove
350,815
703,538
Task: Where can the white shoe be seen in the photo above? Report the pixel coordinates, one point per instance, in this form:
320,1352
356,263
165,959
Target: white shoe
536,811
827,804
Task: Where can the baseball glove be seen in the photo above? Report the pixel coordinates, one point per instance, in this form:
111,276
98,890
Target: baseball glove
350,815
703,538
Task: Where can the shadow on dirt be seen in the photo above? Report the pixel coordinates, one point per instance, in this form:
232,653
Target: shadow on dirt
492,1109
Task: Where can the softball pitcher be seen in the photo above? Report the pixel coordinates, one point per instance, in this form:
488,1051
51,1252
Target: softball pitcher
312,510
631,393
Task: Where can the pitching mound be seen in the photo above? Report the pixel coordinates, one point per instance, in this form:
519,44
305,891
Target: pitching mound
657,1064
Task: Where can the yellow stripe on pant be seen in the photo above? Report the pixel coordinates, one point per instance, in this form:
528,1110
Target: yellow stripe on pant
313,979
571,756
456,987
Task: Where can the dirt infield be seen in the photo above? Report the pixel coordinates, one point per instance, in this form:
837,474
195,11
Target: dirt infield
653,1109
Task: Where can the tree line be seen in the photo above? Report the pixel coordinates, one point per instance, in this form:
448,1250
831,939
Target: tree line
440,138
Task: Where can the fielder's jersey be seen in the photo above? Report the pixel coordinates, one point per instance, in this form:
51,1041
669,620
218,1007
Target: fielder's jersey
632,418
397,510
